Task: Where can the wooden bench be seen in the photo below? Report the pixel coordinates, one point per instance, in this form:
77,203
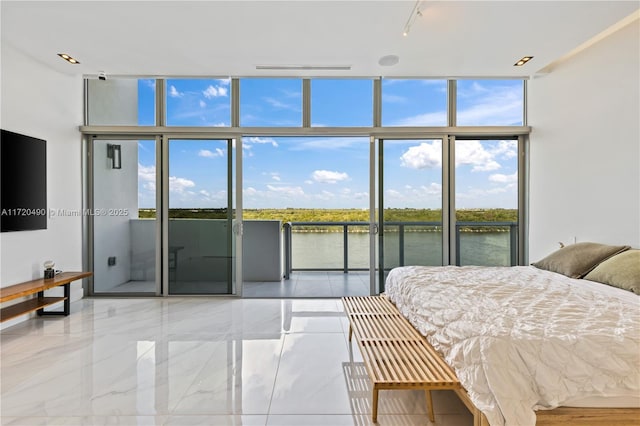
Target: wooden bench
40,302
395,354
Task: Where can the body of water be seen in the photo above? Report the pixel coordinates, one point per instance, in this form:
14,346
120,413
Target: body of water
326,250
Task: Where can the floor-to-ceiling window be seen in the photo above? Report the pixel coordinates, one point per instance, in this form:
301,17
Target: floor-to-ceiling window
486,202
410,202
396,171
201,241
317,189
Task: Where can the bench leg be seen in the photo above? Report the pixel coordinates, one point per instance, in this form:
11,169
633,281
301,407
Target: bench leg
350,331
374,405
430,406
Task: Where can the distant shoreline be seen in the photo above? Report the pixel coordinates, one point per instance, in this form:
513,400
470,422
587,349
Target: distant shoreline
355,215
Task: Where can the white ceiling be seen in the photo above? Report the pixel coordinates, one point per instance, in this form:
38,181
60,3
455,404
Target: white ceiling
222,38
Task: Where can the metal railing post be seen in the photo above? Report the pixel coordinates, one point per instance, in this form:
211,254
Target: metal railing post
287,250
513,233
401,244
457,245
345,243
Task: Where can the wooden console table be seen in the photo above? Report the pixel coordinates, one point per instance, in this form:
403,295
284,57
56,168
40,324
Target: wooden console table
40,302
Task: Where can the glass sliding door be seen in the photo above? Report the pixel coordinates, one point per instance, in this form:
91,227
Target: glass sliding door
201,237
123,216
410,203
486,200
316,189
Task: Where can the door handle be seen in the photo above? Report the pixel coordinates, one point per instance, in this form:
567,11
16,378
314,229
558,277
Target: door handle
237,228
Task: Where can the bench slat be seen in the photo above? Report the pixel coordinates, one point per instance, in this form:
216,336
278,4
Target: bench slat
405,362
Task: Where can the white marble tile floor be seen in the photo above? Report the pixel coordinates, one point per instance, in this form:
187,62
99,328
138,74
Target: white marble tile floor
198,361
301,284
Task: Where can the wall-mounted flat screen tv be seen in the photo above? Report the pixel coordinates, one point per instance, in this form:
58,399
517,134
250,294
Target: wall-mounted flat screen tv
23,182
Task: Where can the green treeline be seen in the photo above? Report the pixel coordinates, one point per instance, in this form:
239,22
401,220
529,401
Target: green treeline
342,215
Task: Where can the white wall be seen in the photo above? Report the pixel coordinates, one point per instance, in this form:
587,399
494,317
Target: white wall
113,102
585,147
116,193
43,103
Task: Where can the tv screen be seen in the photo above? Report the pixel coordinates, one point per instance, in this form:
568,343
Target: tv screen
23,182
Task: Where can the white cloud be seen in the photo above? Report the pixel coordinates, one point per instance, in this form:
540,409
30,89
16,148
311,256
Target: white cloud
224,81
150,84
180,185
506,149
259,140
481,157
329,143
289,191
250,191
498,106
205,193
361,195
215,91
473,153
325,195
431,189
147,175
308,182
392,193
173,92
500,178
393,99
290,93
278,104
275,176
436,118
408,194
210,154
203,104
424,156
348,193
327,176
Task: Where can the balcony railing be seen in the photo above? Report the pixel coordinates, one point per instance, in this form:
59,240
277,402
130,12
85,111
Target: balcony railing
400,229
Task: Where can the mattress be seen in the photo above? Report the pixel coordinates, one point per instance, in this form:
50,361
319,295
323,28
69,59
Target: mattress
523,339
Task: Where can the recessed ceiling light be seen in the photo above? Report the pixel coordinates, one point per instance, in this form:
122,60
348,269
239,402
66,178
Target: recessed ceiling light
523,61
68,58
305,67
389,60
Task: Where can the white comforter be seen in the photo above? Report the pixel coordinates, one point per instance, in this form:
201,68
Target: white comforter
522,339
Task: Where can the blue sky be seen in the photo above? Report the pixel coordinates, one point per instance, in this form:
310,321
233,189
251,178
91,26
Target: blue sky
332,172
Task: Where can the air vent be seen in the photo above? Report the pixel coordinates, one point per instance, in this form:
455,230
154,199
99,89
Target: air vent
305,67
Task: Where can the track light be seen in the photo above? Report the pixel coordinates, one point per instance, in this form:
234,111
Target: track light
415,12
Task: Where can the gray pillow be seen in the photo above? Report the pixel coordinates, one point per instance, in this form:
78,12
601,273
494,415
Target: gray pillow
621,270
576,260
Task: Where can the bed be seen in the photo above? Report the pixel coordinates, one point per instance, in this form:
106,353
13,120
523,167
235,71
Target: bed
523,339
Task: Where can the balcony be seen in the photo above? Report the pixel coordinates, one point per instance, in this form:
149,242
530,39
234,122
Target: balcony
344,246
314,259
